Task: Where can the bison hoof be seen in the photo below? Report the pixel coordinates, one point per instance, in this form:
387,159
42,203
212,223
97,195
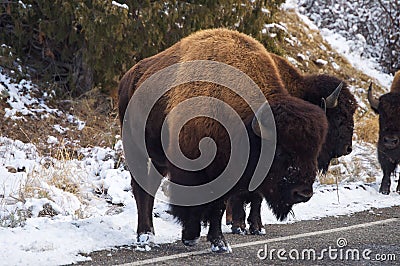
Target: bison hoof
143,248
191,242
146,239
259,232
384,191
220,246
238,231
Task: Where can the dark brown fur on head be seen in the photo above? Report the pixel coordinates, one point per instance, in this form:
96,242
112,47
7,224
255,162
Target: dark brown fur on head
295,163
313,88
389,123
340,118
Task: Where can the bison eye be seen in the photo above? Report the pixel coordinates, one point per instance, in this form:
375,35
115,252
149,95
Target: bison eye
279,153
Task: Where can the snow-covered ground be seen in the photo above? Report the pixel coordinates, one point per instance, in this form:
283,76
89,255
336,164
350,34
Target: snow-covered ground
45,221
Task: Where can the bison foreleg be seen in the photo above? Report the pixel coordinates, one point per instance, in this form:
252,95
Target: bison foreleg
398,186
254,219
388,168
191,226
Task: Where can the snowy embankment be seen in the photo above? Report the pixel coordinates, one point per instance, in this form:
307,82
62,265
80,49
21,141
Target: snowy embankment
55,210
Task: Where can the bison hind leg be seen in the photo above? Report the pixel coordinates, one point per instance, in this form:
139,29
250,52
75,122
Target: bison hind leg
254,219
238,203
228,212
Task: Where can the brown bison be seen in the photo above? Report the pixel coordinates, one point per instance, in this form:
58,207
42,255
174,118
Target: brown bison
340,108
300,127
388,108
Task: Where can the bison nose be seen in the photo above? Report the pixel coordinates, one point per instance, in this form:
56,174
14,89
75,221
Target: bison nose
348,149
391,142
301,194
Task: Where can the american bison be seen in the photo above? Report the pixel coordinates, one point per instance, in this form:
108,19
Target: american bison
340,108
301,129
388,108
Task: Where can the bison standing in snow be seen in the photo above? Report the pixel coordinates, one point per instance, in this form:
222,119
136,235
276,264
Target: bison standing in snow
340,108
300,127
388,108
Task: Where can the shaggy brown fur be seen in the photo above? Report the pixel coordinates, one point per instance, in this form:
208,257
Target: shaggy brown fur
311,88
301,128
389,133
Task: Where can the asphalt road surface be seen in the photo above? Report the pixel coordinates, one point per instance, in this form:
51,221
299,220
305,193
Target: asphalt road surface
365,238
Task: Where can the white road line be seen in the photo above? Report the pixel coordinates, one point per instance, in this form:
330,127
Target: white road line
261,242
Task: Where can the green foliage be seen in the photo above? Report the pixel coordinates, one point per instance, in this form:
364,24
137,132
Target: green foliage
81,44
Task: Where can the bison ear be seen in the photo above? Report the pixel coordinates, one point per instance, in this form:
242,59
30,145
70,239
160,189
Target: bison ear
263,123
332,100
372,100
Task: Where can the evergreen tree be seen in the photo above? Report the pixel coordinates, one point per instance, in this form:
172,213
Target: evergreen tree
81,44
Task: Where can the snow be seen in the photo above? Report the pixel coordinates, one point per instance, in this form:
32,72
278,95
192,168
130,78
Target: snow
345,47
125,6
86,221
339,25
90,202
321,62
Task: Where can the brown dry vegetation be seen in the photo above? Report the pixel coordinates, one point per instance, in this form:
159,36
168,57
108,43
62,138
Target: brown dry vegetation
97,110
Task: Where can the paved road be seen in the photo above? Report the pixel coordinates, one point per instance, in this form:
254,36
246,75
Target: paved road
366,238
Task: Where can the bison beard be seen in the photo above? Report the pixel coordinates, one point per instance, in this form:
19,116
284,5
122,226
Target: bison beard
300,129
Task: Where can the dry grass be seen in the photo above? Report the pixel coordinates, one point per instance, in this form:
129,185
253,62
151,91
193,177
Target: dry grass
39,182
97,110
14,218
367,129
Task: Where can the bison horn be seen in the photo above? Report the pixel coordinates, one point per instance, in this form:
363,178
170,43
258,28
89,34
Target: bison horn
332,100
263,126
372,100
323,104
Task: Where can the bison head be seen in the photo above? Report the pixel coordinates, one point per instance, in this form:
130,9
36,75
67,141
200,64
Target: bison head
301,128
340,108
388,108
